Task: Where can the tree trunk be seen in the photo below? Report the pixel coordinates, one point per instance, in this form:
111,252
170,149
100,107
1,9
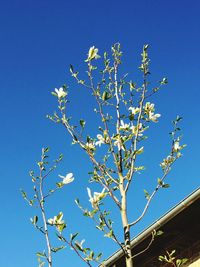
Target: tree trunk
129,262
128,254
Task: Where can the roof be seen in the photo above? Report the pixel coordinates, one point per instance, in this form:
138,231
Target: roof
177,217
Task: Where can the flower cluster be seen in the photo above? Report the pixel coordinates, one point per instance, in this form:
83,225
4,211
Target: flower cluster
68,178
149,111
58,222
92,54
177,148
96,198
137,129
124,126
101,140
120,141
167,162
134,110
90,145
61,93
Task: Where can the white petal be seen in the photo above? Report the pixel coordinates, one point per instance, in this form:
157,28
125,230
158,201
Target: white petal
89,193
61,176
69,175
68,180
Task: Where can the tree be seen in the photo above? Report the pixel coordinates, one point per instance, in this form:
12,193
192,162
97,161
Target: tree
125,114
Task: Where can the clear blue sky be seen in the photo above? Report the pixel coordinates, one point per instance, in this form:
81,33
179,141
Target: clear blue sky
38,41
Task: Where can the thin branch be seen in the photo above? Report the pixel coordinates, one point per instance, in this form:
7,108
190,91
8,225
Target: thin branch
104,121
119,164
106,186
40,229
148,246
152,195
133,159
82,144
110,228
51,192
77,252
41,203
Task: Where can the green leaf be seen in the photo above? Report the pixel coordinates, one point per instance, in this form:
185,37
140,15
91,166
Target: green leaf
24,195
57,249
54,94
61,238
99,228
92,254
61,227
172,252
109,234
35,220
178,118
165,186
183,261
77,201
78,246
139,168
46,149
99,256
139,151
164,81
41,254
159,232
106,96
60,185
160,182
147,196
82,123
41,263
71,68
60,215
161,258
81,81
73,236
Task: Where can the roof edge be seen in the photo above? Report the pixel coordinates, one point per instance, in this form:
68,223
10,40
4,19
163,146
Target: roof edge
187,201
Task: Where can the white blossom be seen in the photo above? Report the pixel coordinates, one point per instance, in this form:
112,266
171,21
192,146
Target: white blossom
92,54
149,107
90,145
177,146
68,178
118,143
60,92
100,141
56,220
94,200
137,129
134,110
153,117
124,126
167,162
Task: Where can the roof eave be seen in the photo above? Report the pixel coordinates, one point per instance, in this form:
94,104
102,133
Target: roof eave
157,224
